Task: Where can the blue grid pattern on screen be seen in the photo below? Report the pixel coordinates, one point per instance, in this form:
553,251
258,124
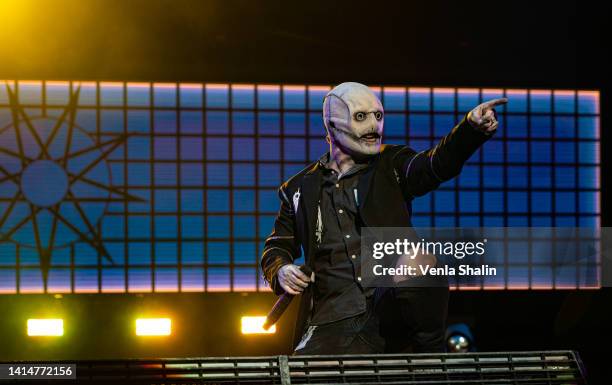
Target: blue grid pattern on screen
186,188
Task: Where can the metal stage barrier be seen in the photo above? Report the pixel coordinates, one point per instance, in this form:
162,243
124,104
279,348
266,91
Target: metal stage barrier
545,367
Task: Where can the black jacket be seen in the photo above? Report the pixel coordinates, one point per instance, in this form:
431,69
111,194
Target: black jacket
385,192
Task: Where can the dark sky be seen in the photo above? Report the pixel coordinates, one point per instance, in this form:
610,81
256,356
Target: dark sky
442,43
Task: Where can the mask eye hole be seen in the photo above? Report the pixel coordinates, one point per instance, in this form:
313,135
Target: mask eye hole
378,115
360,116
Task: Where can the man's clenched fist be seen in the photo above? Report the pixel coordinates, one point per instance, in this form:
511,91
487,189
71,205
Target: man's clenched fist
483,117
293,280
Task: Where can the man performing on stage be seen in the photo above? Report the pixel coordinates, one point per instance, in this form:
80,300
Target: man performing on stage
361,182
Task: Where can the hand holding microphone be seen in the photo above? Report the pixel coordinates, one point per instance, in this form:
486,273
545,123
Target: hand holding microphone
293,279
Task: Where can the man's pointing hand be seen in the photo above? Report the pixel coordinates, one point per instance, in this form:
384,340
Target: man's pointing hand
484,117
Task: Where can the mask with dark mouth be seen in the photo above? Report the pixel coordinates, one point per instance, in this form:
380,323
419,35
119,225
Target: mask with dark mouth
354,119
371,138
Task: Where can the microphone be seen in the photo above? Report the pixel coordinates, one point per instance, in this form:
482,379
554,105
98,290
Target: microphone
282,303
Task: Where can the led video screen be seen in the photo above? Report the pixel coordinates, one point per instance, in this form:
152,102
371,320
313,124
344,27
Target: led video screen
172,187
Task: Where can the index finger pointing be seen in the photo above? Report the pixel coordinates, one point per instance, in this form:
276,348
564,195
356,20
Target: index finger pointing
494,103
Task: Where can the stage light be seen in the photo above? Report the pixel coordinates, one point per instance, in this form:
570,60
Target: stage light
459,338
49,327
153,326
254,325
458,344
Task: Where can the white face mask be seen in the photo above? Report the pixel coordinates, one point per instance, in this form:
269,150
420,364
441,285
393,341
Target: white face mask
354,118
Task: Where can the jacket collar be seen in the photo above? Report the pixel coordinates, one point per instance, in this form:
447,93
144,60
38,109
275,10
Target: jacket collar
311,185
323,161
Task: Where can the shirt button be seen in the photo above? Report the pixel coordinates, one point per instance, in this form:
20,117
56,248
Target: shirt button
359,279
338,185
340,211
348,235
353,256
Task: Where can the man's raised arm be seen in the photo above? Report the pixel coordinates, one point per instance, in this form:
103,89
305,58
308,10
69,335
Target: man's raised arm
422,172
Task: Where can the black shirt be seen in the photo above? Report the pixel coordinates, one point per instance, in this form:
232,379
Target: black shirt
337,292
